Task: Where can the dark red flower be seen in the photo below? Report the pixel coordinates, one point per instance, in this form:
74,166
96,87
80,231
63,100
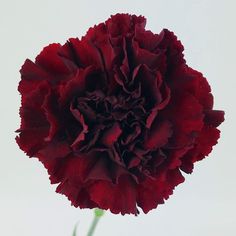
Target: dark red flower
115,116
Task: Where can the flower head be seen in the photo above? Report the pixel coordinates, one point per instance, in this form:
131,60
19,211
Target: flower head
115,116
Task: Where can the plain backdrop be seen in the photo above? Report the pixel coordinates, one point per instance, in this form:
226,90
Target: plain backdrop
203,205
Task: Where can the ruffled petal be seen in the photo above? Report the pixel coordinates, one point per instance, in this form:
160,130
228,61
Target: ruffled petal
86,53
111,135
158,135
119,198
203,146
151,193
50,60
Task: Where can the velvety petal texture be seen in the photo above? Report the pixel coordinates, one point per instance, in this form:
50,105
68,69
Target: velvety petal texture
116,116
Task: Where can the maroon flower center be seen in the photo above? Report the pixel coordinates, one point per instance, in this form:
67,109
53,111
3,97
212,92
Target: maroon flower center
110,123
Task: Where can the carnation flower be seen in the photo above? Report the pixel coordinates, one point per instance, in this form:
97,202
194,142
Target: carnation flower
116,116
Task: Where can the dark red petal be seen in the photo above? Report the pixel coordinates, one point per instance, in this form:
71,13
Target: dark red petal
34,125
186,79
165,94
50,60
31,71
134,161
150,194
55,149
152,60
97,34
207,138
77,195
31,140
174,49
75,86
125,62
79,117
68,57
158,135
151,117
31,112
111,135
86,53
82,168
134,133
203,90
153,192
100,168
74,168
31,77
106,169
123,24
186,115
55,167
119,198
32,118
52,113
108,55
150,84
214,118
146,39
175,157
204,143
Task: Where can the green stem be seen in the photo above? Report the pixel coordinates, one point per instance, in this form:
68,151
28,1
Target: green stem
98,213
75,229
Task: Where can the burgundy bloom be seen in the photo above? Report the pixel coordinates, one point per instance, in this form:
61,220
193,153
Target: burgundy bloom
116,116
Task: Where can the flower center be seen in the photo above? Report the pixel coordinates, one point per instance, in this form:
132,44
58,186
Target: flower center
108,122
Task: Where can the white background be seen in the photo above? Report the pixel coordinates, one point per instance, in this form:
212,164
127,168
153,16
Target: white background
205,204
